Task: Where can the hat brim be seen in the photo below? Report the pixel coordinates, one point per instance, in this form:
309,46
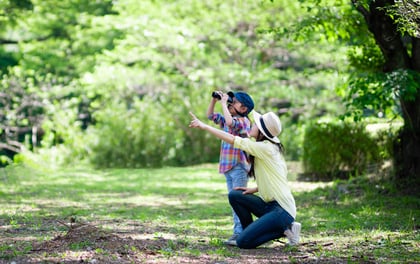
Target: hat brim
257,120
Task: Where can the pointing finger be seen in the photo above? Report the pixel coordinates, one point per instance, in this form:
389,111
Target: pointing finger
192,115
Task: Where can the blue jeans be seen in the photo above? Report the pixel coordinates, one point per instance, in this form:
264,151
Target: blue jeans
272,220
236,177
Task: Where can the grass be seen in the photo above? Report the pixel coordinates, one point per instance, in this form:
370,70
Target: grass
181,215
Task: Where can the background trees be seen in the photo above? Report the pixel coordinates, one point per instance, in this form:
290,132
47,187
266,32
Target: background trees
385,69
112,82
396,29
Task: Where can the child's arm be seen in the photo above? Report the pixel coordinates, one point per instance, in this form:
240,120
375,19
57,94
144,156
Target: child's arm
210,109
226,112
241,126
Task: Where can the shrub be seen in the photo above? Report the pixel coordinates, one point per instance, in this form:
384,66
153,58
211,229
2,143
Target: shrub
338,150
139,137
146,135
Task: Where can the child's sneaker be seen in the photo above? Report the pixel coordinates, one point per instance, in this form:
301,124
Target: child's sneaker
293,234
232,240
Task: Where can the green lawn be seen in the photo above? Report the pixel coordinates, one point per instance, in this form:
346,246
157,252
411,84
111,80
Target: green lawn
181,215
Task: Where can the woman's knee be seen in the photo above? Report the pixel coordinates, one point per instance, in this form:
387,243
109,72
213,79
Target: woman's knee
234,195
243,243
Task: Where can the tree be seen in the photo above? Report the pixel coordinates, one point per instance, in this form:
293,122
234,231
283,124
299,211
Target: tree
395,27
9,14
386,65
44,46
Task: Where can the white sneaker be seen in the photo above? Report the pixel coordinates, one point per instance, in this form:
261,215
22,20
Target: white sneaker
293,234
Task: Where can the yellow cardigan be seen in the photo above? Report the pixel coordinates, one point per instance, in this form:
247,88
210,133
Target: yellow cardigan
270,172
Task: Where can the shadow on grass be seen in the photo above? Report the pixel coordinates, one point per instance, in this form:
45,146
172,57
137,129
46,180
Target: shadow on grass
181,215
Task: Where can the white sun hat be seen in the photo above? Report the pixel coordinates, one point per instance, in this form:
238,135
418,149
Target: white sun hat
269,124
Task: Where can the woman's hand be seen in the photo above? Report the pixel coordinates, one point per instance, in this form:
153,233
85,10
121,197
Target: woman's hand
225,136
195,122
247,190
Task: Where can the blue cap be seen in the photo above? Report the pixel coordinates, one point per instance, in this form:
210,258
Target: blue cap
244,98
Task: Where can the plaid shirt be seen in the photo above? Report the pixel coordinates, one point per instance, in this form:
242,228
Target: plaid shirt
230,156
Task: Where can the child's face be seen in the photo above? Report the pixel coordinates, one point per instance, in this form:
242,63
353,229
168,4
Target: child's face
237,107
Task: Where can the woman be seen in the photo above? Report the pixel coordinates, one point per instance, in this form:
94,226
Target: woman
275,206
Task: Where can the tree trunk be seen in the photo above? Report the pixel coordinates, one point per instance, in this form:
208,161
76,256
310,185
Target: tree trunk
397,57
407,148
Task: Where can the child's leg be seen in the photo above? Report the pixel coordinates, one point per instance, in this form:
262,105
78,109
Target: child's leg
236,177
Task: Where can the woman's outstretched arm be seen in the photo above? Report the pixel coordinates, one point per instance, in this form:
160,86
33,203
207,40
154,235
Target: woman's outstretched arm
196,123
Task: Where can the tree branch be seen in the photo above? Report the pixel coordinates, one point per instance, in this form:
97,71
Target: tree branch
8,41
10,148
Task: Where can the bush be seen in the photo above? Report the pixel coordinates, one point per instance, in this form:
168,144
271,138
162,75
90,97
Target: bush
292,139
138,137
146,135
338,150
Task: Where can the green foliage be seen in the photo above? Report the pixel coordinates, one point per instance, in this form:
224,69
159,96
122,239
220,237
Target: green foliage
89,60
142,136
406,14
385,140
11,9
381,92
177,64
335,149
292,139
329,21
146,133
367,57
5,160
7,59
369,87
63,38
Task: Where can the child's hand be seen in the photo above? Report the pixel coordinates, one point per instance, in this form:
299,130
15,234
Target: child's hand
225,98
219,95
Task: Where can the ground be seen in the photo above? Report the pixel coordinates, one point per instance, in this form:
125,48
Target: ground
137,243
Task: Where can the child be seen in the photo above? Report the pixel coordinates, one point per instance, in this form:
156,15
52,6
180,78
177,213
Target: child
233,162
